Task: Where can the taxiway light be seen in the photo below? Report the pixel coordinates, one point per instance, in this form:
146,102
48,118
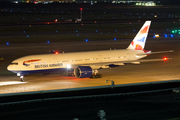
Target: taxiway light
156,35
47,42
7,43
86,40
114,38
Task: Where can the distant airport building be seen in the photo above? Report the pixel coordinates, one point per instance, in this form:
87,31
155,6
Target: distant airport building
136,2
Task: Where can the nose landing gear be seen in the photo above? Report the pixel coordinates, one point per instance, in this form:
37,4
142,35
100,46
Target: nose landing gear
22,78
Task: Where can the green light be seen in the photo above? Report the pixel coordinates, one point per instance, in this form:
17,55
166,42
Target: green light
173,31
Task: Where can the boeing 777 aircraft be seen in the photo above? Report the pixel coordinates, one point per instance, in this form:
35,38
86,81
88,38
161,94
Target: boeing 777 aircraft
84,64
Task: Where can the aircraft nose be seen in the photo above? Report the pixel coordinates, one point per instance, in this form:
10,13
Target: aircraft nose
9,67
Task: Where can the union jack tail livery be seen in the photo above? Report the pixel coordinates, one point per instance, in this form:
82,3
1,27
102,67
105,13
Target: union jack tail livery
139,41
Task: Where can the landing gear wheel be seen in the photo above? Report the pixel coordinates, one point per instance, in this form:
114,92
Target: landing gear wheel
96,76
99,76
93,76
22,79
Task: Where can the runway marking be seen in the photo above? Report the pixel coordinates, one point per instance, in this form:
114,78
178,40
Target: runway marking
11,83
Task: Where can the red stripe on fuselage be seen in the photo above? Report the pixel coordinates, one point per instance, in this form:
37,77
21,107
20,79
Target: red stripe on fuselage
31,60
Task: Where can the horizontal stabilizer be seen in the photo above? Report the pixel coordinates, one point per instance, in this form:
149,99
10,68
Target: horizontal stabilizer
148,53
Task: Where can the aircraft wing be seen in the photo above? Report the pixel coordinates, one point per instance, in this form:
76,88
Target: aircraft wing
148,53
122,62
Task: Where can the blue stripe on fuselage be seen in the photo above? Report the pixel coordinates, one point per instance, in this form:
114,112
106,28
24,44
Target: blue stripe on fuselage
40,71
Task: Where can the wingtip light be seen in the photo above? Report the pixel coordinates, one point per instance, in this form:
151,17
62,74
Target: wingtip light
165,58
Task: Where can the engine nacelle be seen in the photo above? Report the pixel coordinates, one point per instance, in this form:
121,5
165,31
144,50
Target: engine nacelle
83,71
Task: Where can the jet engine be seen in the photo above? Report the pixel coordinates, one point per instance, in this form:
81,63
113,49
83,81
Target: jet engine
83,71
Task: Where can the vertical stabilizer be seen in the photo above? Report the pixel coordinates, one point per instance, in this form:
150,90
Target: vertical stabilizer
139,41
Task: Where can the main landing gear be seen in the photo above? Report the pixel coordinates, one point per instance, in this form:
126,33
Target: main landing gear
22,78
96,74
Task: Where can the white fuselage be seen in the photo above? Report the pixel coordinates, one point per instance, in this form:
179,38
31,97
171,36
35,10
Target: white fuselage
62,60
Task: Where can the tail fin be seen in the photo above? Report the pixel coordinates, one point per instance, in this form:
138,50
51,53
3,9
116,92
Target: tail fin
139,41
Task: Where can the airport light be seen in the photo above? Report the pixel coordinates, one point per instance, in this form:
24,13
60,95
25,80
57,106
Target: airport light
47,42
86,40
7,43
165,58
156,35
81,13
68,66
175,31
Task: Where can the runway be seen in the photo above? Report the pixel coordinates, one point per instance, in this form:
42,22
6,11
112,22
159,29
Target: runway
127,74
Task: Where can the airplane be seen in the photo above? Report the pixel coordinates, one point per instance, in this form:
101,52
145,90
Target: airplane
85,64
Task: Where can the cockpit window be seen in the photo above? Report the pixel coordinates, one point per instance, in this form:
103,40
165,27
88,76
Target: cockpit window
14,64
